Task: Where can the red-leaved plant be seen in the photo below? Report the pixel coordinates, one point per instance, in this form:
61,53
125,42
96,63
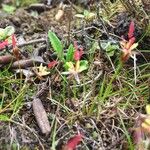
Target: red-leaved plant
127,46
16,50
73,142
77,65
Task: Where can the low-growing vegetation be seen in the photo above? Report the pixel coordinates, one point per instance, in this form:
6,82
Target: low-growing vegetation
75,75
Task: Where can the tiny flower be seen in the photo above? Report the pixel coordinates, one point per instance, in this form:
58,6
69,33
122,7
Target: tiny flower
52,64
73,142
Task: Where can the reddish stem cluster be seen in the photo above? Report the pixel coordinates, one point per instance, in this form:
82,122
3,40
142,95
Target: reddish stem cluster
128,45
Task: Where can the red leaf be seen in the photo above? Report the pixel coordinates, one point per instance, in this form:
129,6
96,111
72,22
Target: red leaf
52,64
14,41
78,52
3,44
73,142
131,30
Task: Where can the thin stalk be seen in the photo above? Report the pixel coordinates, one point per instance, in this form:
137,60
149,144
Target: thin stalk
135,72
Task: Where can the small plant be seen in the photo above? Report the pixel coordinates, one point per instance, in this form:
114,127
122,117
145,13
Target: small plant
72,60
127,46
16,50
73,142
6,36
110,47
6,33
76,66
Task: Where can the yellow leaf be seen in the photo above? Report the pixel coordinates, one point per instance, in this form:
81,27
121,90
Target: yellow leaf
133,46
42,71
147,121
77,66
145,126
148,109
70,66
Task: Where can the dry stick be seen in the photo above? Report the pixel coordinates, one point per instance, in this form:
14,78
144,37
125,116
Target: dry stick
41,116
39,111
7,59
26,63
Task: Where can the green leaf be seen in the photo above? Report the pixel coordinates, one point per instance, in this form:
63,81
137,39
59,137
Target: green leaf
70,53
4,118
9,30
79,16
56,44
2,34
5,33
88,15
8,8
69,66
83,65
110,48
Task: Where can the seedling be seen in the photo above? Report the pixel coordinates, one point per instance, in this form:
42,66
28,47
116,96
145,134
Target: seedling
73,142
6,36
110,48
76,66
16,50
72,59
6,33
127,46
